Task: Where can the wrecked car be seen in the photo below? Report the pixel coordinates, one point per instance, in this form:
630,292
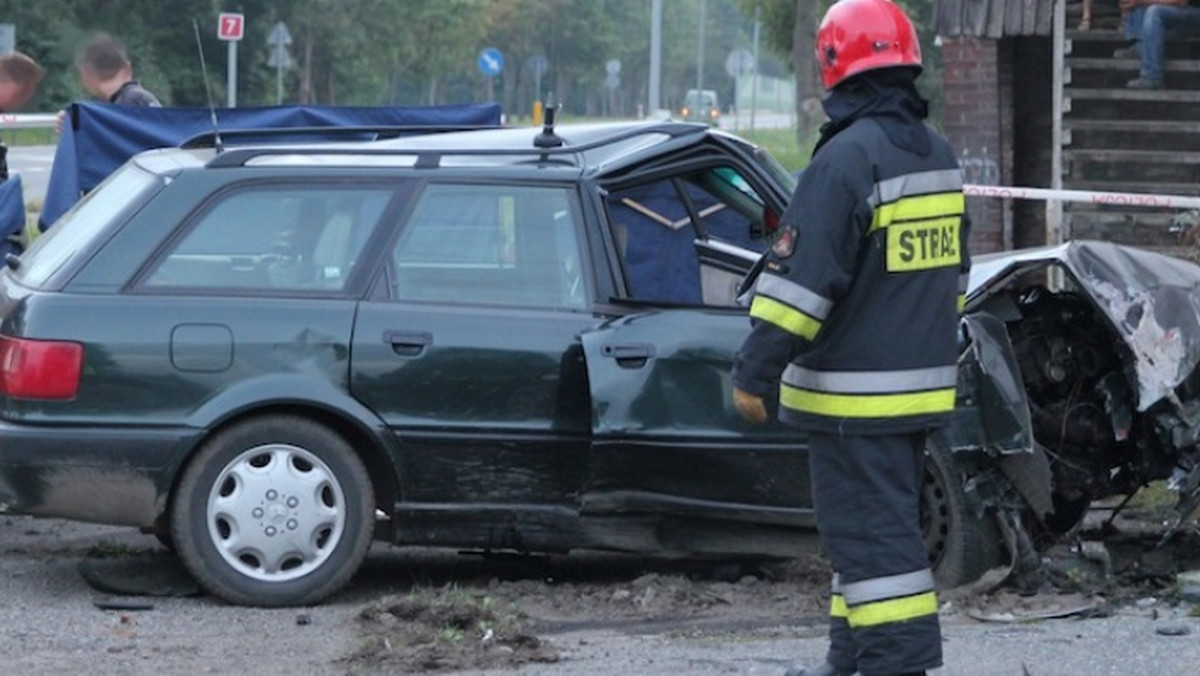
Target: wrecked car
519,340
1077,382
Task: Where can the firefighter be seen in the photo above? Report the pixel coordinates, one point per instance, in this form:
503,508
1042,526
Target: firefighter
853,339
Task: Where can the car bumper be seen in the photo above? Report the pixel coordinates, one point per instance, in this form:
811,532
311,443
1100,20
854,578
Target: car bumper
118,476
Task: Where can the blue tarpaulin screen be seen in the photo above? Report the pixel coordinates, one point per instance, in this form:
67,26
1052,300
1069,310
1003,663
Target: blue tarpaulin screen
12,212
101,136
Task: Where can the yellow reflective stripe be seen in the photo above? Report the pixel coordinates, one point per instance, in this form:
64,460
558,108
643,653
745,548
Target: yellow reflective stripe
962,302
785,317
837,606
923,245
918,208
893,610
867,405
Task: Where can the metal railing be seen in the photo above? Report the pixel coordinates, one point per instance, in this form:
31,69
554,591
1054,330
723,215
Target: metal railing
27,121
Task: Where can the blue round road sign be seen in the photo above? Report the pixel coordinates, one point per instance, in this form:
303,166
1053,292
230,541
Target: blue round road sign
491,62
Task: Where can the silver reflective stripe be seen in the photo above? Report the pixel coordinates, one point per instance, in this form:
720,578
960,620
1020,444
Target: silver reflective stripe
922,183
836,586
892,587
964,282
793,294
871,382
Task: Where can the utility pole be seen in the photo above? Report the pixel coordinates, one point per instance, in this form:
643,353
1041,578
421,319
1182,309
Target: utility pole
655,56
754,73
700,48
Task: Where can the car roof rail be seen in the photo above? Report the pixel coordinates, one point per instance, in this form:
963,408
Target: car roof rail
208,139
428,158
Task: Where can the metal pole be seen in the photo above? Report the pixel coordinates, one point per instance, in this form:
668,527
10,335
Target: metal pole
231,75
279,74
1055,232
655,56
754,72
700,49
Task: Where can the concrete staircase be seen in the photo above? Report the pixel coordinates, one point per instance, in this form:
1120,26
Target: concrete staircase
1123,140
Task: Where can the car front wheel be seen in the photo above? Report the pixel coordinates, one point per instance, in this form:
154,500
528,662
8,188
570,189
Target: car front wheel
275,511
962,545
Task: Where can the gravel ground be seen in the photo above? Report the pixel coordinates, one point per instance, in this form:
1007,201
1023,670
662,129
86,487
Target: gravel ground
600,615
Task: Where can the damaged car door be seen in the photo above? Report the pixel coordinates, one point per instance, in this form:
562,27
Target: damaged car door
666,439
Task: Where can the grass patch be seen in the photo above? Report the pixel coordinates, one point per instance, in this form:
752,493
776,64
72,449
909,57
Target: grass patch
783,145
29,137
1154,500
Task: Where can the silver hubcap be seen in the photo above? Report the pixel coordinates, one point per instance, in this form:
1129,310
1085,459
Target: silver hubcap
276,513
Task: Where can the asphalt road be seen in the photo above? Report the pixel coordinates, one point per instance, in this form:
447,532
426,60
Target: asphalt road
51,625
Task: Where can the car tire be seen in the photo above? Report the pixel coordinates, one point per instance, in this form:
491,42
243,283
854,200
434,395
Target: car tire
962,545
275,511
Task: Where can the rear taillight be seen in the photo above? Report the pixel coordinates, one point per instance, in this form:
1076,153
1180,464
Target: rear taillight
39,369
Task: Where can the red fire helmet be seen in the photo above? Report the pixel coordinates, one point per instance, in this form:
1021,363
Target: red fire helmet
861,35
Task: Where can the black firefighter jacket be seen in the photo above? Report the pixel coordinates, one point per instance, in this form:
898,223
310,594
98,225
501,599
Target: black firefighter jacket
855,313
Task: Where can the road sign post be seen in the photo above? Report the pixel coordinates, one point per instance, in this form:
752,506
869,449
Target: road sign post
230,27
491,62
280,59
538,65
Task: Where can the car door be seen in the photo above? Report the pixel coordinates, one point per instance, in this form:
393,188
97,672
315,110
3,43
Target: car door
471,353
666,437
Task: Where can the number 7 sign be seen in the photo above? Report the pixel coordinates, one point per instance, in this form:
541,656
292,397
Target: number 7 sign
230,26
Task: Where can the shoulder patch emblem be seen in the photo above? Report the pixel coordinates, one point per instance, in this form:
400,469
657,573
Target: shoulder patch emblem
785,243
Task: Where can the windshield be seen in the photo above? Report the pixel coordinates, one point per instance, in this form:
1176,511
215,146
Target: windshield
72,234
697,99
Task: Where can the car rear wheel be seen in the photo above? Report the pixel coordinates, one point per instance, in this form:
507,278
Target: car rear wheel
275,511
962,546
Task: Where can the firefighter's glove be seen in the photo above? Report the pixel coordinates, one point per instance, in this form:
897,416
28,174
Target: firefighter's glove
750,407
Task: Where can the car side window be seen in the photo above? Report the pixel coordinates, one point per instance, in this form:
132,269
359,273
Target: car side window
494,244
274,239
660,241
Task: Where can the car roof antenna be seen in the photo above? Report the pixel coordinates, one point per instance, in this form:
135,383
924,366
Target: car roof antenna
548,139
208,90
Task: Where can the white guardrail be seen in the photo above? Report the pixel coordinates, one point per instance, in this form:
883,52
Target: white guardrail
27,120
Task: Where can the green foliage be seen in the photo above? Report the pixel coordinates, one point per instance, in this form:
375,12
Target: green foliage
415,52
783,146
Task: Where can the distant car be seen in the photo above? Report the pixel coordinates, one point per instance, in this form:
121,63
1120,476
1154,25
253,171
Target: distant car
701,105
520,340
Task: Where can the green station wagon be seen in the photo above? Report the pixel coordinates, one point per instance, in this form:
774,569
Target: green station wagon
494,340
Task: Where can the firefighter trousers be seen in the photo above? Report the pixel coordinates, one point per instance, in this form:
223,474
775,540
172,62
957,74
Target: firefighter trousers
883,608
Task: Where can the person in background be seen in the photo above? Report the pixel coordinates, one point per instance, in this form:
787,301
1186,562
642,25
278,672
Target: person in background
106,72
19,78
1147,23
853,336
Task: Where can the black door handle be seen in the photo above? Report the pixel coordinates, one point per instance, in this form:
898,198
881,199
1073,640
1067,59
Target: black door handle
408,343
629,356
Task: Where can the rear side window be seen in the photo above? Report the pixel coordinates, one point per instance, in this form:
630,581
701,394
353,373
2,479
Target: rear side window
74,233
506,245
306,238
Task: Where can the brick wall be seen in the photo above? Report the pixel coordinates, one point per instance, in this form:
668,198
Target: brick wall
977,120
